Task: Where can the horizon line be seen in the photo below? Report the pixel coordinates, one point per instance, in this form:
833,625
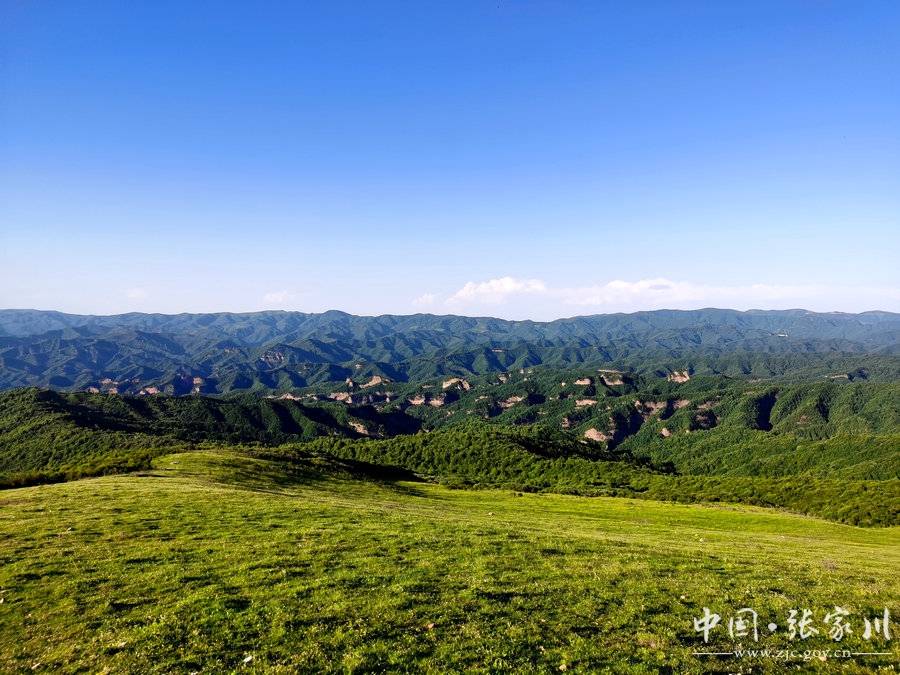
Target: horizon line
449,315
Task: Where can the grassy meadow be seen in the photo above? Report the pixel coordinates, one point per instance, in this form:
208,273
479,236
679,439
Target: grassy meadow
215,561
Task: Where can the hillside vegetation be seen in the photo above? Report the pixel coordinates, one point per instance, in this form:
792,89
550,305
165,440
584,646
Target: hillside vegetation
218,562
281,351
850,476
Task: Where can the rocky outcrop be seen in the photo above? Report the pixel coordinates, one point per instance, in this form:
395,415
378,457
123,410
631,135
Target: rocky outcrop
647,409
272,358
457,382
585,380
581,402
360,398
342,396
678,376
594,434
511,401
289,397
611,378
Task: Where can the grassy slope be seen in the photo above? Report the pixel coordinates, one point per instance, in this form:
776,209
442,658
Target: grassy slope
508,457
211,558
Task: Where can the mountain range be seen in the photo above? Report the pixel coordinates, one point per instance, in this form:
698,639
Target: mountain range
219,353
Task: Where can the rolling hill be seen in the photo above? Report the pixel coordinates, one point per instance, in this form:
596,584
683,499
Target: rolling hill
215,561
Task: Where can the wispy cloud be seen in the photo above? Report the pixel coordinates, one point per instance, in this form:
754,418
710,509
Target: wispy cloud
277,297
661,292
535,297
425,300
136,294
496,291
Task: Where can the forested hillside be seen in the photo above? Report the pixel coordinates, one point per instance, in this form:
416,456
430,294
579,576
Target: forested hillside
828,449
281,351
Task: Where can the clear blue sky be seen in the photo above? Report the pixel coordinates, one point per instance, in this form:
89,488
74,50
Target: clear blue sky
524,159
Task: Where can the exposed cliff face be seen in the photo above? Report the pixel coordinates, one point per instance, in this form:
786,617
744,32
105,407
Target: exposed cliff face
647,409
342,396
511,401
272,358
678,376
359,428
289,397
596,435
456,382
360,398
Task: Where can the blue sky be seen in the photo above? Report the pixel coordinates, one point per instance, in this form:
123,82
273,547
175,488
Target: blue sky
519,159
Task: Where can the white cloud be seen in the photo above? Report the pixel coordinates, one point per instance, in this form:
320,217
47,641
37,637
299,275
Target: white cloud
136,293
533,297
661,292
425,300
277,297
496,291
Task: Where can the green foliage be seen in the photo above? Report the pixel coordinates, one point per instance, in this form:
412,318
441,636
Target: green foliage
266,351
40,442
219,563
484,456
475,454
825,430
818,448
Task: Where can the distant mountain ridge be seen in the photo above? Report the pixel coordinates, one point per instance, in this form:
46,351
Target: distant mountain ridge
279,351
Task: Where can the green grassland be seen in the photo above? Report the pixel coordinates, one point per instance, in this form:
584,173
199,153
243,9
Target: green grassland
217,561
